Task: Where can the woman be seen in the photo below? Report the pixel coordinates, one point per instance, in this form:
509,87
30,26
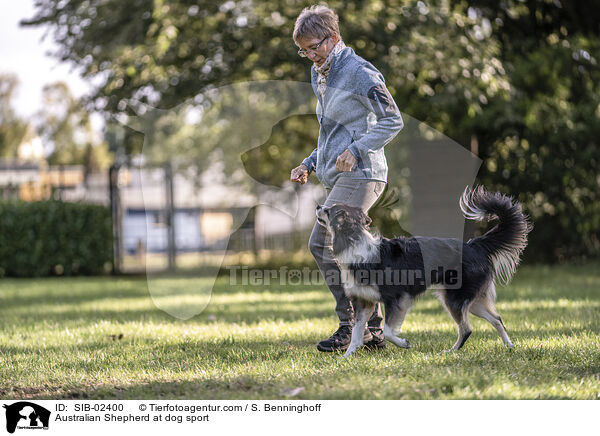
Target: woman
357,117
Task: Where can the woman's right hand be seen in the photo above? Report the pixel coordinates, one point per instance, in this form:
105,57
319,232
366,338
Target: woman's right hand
299,174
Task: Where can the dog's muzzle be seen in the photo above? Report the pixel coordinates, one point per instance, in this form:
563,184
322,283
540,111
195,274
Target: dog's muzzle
322,217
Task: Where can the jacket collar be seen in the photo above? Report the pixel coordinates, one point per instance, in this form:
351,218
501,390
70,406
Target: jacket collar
323,69
336,60
340,59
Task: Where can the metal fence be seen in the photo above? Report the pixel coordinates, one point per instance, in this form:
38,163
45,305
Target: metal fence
163,220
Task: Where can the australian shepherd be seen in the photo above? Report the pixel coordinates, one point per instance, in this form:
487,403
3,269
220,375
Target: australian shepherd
365,259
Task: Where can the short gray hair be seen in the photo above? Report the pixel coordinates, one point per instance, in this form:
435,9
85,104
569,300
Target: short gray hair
317,21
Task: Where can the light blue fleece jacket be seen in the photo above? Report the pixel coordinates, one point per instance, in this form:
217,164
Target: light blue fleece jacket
357,113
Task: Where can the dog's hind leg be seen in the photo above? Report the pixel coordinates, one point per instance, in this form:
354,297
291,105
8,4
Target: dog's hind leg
394,316
484,307
459,310
362,312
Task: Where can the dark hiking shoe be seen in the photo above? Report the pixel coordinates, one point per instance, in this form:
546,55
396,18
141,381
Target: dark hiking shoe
377,341
340,340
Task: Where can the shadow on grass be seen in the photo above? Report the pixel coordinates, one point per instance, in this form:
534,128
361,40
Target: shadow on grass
243,314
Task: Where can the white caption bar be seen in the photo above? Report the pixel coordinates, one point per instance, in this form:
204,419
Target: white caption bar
23,417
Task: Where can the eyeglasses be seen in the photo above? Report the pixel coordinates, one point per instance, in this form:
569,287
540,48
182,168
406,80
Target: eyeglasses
304,53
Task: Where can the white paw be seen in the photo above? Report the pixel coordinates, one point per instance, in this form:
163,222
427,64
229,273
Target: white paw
403,343
350,351
510,345
399,342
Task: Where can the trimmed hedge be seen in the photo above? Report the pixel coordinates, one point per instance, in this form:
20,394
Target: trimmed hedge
46,238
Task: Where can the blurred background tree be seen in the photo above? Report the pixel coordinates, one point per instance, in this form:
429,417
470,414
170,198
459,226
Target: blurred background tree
514,81
12,127
65,127
542,142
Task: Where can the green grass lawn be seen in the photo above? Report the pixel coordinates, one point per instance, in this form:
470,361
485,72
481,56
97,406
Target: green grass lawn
61,338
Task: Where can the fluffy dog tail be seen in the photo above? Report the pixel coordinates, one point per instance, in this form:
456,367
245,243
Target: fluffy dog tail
504,243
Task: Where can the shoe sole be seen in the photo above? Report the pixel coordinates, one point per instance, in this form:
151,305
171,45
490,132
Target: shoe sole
368,346
332,350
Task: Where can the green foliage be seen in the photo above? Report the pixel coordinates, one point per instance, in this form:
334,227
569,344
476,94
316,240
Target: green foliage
164,52
54,238
541,143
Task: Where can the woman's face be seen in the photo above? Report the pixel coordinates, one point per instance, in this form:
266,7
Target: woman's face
319,54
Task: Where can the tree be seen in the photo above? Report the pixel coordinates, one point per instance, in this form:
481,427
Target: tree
65,127
167,53
541,143
12,128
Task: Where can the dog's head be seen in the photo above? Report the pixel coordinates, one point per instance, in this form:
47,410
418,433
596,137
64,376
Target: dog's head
343,220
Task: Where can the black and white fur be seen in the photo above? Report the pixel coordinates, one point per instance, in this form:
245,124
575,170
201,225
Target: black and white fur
485,259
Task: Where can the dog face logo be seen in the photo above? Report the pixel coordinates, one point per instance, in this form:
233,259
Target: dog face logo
26,415
230,121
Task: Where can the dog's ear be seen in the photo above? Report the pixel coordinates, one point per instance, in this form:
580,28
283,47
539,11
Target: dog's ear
339,216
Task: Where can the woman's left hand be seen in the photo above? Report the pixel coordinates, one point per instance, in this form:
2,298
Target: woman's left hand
345,161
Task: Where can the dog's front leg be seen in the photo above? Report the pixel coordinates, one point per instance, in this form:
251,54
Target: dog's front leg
362,312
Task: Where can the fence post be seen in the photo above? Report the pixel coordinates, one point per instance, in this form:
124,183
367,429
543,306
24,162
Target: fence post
170,212
116,214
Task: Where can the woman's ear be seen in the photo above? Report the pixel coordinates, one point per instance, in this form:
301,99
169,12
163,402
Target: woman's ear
367,220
